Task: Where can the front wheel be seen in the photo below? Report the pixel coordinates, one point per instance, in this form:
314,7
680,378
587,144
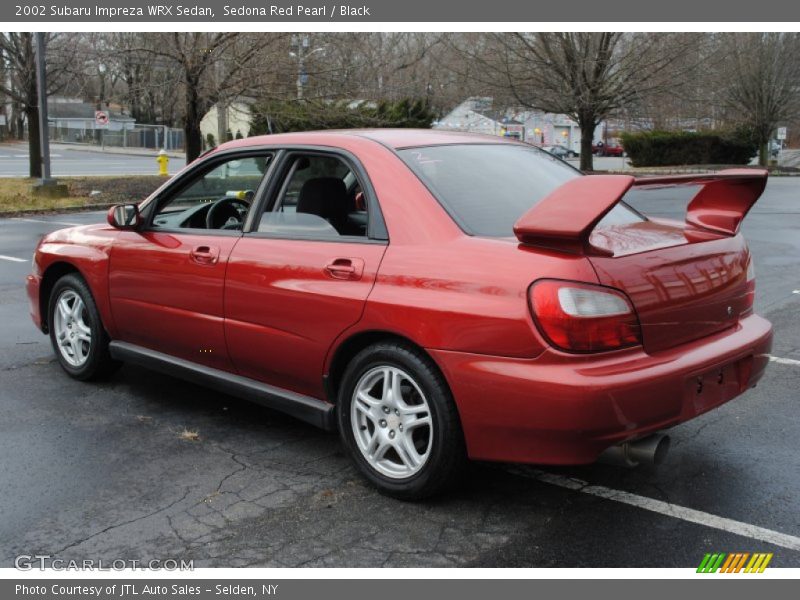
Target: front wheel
399,422
79,339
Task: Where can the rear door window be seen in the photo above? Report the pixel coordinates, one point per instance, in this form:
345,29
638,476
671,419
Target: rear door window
320,197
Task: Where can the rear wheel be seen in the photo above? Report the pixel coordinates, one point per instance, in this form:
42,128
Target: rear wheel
399,422
79,339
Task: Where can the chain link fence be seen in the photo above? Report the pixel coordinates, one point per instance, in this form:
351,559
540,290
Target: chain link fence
150,137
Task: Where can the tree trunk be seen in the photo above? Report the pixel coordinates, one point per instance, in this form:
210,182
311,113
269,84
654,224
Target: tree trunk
20,125
587,138
18,121
191,127
763,154
34,142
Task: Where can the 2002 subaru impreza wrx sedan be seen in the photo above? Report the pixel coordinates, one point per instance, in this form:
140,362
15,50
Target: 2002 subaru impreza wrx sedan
433,296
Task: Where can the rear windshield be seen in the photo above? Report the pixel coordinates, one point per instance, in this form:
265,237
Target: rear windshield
486,187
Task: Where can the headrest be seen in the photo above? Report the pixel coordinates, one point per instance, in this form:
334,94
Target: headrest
323,196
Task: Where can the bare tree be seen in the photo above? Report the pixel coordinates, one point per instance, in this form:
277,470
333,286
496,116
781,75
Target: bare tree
374,66
585,75
763,81
19,59
689,98
211,66
19,85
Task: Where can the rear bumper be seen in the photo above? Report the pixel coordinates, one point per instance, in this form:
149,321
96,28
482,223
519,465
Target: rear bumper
32,285
563,409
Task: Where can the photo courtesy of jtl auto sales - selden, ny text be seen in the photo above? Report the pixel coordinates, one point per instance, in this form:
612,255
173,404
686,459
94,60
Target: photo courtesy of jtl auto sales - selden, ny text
393,300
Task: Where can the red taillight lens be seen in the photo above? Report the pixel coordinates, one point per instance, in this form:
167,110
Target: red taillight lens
580,317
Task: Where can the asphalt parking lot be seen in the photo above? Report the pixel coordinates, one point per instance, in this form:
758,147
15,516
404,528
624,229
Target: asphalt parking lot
103,470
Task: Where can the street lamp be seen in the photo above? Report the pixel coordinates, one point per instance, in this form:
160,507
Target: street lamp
302,42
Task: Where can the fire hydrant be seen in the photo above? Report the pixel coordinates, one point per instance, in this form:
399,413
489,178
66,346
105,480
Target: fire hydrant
163,160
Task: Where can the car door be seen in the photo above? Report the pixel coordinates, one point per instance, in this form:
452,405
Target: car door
302,275
166,279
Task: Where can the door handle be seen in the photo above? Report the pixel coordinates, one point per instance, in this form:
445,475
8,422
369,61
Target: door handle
204,255
345,268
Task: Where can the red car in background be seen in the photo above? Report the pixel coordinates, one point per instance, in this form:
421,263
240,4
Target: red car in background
601,149
433,296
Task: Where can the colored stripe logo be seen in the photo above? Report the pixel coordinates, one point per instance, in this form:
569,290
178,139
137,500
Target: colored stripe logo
737,562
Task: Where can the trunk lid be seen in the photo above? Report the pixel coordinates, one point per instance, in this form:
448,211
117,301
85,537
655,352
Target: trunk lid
686,280
684,285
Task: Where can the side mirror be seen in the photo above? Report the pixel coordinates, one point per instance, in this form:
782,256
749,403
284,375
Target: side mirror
124,216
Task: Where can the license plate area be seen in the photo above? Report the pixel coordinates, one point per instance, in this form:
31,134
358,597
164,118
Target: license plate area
709,389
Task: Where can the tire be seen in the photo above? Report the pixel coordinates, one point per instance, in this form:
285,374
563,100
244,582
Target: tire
437,448
81,358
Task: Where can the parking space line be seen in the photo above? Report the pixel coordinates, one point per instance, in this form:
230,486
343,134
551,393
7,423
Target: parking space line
12,258
675,511
784,361
67,223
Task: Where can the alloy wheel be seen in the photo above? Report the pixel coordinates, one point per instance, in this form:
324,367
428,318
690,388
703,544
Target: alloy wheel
73,334
391,422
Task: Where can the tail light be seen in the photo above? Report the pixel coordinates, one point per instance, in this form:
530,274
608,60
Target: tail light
580,317
750,287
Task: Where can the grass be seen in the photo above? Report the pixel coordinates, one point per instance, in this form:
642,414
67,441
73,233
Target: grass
16,196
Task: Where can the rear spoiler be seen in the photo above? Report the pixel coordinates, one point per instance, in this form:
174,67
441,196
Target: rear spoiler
565,218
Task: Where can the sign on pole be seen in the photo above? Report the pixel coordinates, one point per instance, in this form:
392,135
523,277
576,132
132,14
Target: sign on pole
101,117
781,133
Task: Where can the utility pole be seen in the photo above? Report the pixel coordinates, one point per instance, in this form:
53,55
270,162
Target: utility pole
41,86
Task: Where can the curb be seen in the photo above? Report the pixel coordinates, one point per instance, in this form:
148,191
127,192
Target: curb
113,150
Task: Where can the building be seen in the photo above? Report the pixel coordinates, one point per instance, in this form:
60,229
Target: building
477,115
232,122
73,120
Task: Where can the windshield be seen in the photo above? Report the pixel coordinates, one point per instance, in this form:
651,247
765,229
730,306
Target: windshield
486,187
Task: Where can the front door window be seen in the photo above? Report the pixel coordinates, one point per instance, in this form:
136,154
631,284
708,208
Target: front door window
218,198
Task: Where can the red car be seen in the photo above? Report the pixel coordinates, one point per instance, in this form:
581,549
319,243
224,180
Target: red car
433,296
608,150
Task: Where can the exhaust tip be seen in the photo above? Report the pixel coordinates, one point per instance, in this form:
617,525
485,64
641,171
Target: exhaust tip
662,449
650,450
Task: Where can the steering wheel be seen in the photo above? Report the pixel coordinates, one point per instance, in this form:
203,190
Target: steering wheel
220,213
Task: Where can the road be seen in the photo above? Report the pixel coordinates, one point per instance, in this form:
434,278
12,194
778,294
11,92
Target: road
74,161
101,471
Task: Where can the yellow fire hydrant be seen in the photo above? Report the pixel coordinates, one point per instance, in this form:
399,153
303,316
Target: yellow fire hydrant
163,160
